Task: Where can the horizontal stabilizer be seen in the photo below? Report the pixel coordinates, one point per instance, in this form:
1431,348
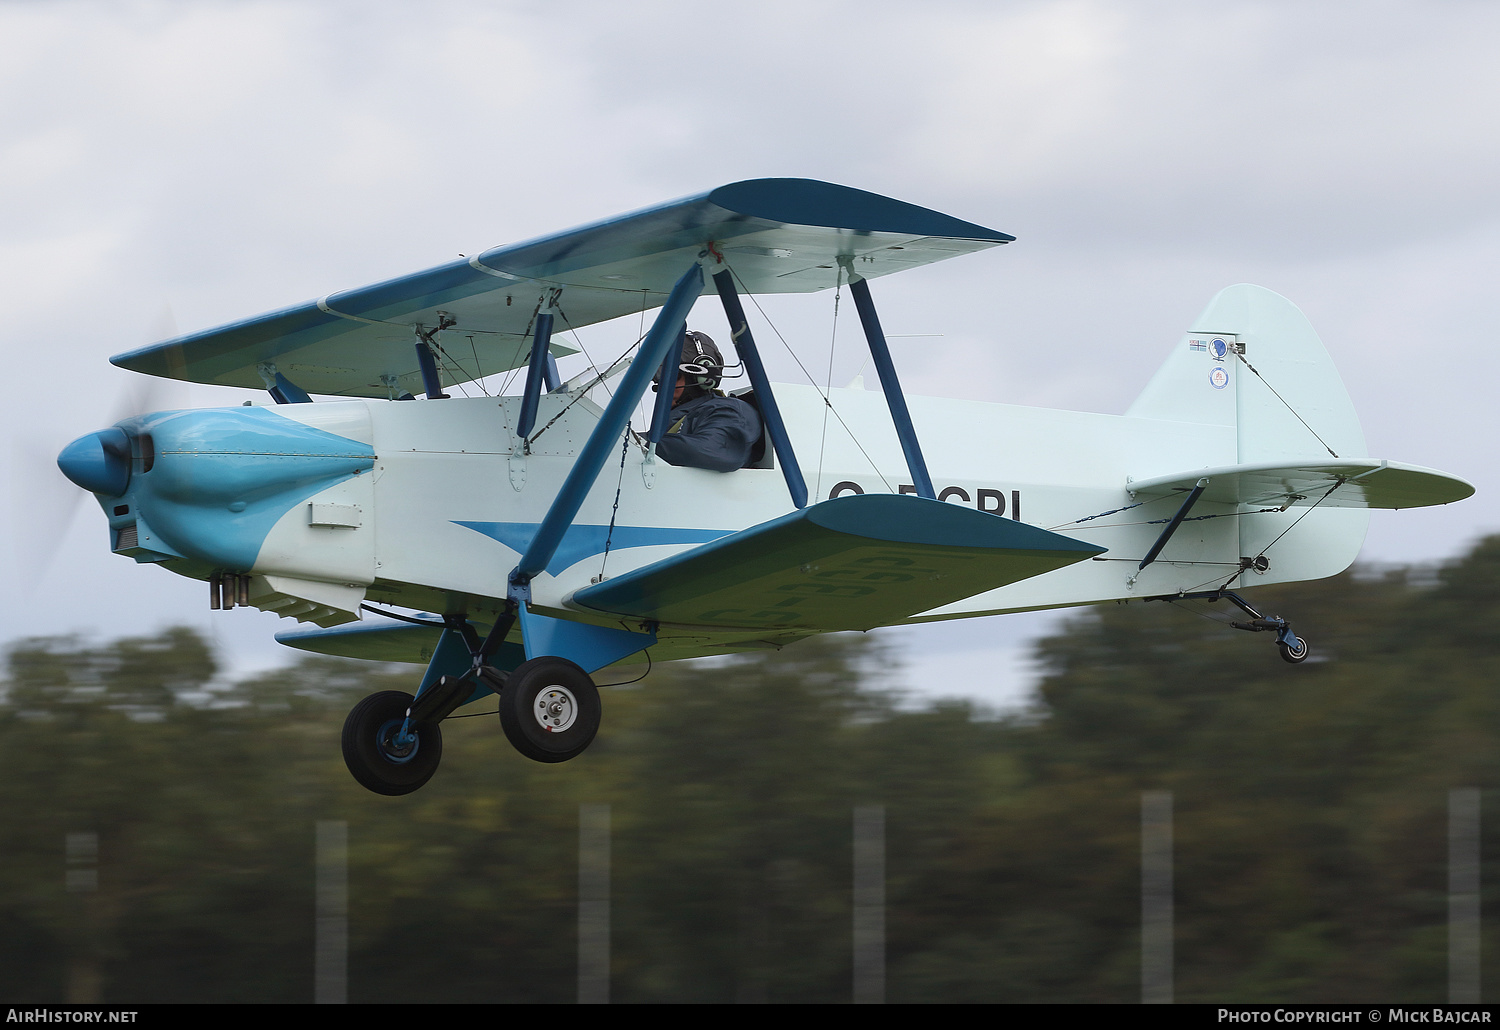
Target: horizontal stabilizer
776,235
1366,483
851,563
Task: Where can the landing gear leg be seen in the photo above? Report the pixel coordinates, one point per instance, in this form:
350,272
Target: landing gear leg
391,741
1292,647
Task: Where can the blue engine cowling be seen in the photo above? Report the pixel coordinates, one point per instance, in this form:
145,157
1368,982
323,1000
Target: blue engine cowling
207,484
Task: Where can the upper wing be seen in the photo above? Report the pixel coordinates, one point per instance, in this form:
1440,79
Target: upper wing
778,236
854,562
1365,483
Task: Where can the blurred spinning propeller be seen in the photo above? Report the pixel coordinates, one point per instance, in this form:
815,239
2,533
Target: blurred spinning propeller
43,504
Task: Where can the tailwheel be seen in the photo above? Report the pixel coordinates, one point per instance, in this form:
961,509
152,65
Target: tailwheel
376,752
549,709
1293,648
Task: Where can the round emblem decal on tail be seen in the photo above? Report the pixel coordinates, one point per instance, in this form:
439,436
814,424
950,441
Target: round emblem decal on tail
1218,378
1218,348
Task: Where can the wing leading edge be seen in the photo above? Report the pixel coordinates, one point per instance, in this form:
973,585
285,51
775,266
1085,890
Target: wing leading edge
778,235
851,563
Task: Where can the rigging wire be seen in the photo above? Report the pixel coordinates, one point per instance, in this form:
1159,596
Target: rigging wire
1199,607
1305,514
1158,522
1103,514
809,376
833,340
442,356
1247,566
511,374
1283,400
479,381
615,511
1170,561
441,360
581,393
589,357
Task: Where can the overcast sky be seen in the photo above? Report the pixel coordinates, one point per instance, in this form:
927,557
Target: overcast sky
180,163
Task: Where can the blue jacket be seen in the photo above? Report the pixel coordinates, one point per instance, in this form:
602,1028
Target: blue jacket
715,433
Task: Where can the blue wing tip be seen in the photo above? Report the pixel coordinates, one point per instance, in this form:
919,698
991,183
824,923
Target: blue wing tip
815,202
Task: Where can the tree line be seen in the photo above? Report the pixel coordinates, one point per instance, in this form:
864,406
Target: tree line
1310,817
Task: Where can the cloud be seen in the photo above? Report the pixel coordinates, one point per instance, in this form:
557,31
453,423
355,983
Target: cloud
231,158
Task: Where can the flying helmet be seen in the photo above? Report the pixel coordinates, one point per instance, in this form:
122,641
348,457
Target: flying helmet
700,364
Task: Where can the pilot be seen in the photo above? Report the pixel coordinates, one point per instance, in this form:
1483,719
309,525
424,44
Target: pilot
706,429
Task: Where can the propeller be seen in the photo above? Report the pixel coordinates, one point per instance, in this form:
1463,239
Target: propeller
44,503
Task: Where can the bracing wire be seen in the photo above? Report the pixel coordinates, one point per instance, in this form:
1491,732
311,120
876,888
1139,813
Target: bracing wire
833,340
581,393
1157,522
1104,514
479,381
828,405
1304,515
587,356
615,511
443,360
1199,607
1283,400
1245,567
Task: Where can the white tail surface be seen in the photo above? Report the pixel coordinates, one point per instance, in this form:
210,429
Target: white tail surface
1252,361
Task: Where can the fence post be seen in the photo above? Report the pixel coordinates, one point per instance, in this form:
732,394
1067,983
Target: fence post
1156,897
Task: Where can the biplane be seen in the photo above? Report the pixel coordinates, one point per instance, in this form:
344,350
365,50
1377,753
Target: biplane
522,542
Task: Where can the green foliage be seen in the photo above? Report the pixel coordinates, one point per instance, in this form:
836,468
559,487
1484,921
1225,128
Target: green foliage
1310,818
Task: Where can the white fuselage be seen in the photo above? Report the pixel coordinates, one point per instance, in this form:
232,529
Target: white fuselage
440,464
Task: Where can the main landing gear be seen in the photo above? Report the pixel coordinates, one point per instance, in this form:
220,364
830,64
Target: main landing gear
549,710
1292,647
384,752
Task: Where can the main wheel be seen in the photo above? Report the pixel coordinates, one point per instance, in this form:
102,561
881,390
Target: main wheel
1293,653
378,761
550,709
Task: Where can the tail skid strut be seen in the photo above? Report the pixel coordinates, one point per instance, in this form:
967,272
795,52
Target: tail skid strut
1292,647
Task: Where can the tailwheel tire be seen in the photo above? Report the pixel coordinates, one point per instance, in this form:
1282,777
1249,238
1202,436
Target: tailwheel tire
1294,653
376,759
550,709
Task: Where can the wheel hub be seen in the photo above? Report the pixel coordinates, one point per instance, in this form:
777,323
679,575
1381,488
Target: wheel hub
389,745
556,708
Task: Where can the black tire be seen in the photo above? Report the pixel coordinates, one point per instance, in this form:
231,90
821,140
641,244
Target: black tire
371,754
1295,655
553,691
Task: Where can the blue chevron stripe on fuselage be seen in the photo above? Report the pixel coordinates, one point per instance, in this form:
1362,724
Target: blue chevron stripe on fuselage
582,542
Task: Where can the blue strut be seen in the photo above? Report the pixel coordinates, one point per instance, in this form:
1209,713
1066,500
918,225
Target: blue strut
744,343
666,390
666,333
534,373
431,384
1166,534
892,387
